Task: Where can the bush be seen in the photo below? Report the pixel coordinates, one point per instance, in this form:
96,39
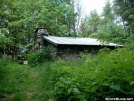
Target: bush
39,57
4,61
105,75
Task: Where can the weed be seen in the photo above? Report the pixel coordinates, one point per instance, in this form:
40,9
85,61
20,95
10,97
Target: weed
93,78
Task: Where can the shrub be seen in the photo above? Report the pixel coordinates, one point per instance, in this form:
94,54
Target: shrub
105,75
39,57
4,61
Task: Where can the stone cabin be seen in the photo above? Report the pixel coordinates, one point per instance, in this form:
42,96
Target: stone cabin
68,47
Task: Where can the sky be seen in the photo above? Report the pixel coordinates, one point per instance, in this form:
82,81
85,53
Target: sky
90,5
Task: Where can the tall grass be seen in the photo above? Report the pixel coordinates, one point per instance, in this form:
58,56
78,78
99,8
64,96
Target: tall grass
23,83
92,78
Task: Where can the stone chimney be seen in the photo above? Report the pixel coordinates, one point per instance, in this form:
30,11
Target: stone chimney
38,38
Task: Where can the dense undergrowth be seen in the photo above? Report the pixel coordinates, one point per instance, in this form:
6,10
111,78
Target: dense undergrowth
107,75
23,83
92,78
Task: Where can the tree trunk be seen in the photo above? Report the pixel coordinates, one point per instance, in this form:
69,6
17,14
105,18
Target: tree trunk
73,17
15,55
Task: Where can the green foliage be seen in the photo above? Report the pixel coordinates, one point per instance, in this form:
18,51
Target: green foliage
92,78
104,51
23,83
98,77
12,77
4,61
111,33
130,43
18,20
124,9
107,14
39,57
90,24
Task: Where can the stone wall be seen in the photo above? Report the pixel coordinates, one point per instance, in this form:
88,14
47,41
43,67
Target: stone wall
53,50
38,38
71,52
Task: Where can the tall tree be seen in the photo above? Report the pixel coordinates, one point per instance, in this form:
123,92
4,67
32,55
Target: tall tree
90,24
125,9
111,32
108,30
18,19
79,12
107,14
73,16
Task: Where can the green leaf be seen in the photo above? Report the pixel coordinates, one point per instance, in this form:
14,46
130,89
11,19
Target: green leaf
94,83
132,83
105,84
76,90
70,90
94,88
116,87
